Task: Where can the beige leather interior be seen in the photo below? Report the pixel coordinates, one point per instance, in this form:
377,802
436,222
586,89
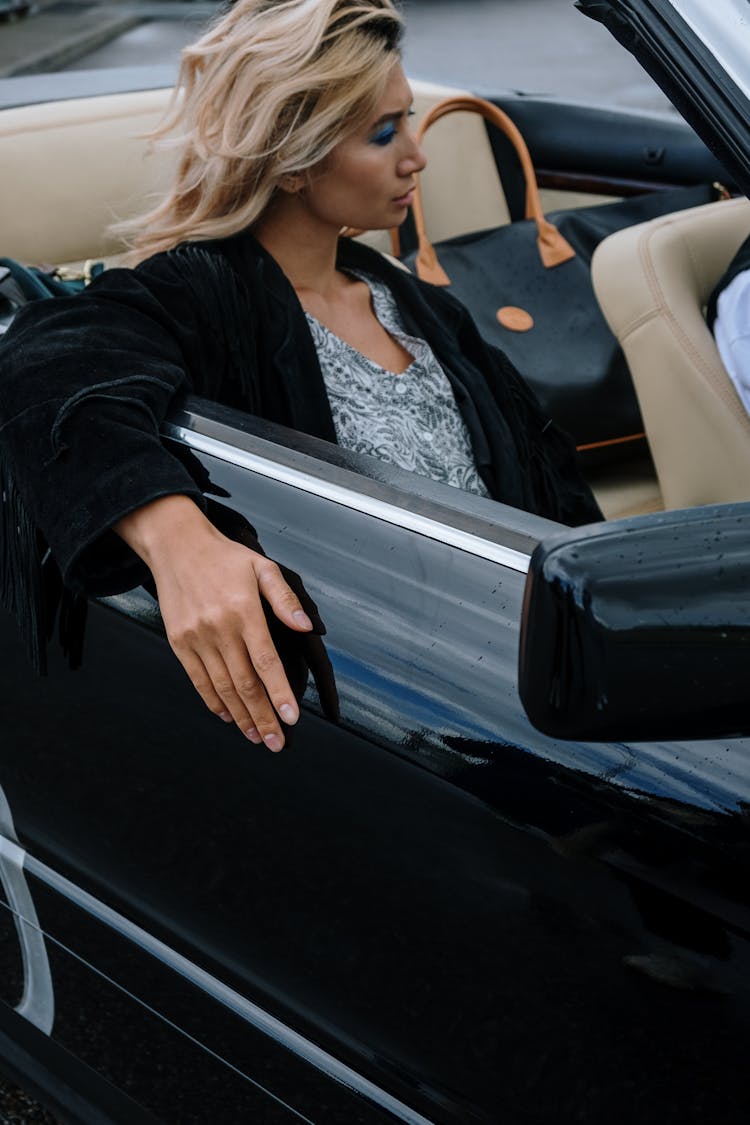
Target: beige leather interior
72,168
559,199
460,186
653,282
626,488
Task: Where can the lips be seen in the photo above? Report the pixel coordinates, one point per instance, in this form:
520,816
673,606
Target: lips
405,200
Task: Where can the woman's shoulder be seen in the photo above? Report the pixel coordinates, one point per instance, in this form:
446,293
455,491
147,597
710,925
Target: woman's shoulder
183,259
190,273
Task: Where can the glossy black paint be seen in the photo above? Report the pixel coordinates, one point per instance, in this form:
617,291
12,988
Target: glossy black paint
127,1018
641,629
488,924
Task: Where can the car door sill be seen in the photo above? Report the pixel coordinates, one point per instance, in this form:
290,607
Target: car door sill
256,1016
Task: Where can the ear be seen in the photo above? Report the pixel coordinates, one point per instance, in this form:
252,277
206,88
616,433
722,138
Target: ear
292,183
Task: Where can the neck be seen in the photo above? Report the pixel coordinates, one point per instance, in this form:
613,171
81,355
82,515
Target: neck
304,248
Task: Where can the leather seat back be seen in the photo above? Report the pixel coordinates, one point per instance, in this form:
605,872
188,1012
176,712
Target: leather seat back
71,168
653,282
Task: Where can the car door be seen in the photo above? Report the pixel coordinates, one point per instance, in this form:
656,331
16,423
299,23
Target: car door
427,911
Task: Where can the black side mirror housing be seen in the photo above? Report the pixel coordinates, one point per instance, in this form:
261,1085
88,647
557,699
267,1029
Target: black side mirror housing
639,630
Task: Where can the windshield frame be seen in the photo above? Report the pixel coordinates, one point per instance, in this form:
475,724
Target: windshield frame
686,50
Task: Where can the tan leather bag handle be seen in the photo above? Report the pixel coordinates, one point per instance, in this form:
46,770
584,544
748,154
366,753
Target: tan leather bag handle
553,248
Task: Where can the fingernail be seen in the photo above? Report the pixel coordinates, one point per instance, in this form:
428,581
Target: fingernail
225,717
288,713
273,742
253,735
302,619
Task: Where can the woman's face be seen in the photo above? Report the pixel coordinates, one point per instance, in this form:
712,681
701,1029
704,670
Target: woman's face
368,180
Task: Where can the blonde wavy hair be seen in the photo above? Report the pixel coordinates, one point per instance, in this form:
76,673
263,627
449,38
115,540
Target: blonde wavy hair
266,93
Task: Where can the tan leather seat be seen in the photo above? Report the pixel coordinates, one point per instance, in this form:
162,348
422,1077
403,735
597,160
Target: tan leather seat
653,282
72,168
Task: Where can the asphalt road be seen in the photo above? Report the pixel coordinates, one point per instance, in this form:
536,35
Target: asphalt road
539,46
17,1108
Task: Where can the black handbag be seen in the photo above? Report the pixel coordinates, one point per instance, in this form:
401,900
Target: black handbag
528,286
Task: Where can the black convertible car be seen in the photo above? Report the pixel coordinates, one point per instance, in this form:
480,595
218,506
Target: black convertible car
430,911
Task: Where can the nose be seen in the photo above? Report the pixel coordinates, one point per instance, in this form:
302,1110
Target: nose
414,159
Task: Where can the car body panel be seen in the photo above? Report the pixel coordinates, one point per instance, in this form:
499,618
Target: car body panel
426,891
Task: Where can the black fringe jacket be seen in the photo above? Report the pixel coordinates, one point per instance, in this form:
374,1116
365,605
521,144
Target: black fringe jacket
85,382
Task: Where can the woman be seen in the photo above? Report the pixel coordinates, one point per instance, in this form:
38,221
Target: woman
293,125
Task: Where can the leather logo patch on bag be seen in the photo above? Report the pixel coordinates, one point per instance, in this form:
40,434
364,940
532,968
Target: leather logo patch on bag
517,320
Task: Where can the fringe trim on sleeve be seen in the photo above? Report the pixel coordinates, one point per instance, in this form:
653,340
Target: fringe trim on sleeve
31,588
21,585
226,312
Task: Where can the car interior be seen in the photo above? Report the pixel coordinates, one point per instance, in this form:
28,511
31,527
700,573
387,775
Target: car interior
72,167
653,283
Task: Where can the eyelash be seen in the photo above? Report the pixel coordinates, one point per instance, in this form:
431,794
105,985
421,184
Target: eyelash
385,136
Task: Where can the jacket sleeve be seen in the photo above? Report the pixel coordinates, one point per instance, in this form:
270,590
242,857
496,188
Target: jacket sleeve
85,382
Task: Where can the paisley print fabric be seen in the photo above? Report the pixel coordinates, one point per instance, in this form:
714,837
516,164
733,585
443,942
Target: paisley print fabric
410,420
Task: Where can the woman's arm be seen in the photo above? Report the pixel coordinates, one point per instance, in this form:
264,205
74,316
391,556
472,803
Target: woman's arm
210,591
84,385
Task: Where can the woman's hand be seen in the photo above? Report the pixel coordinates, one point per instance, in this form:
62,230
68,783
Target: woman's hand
210,589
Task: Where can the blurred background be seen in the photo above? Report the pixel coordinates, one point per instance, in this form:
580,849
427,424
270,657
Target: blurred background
539,46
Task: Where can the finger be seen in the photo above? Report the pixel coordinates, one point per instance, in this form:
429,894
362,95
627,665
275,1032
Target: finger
261,685
273,681
280,596
295,582
225,687
204,684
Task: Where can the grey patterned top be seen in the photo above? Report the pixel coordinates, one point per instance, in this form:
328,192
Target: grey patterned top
410,419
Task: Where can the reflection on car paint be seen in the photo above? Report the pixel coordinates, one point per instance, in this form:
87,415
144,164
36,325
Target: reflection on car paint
37,1004
239,1005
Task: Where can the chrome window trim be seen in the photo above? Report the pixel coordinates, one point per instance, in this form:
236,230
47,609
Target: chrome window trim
252,1013
351,498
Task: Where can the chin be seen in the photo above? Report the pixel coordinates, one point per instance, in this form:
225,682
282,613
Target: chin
394,217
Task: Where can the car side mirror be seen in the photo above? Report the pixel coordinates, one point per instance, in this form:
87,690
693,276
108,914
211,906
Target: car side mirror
640,629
